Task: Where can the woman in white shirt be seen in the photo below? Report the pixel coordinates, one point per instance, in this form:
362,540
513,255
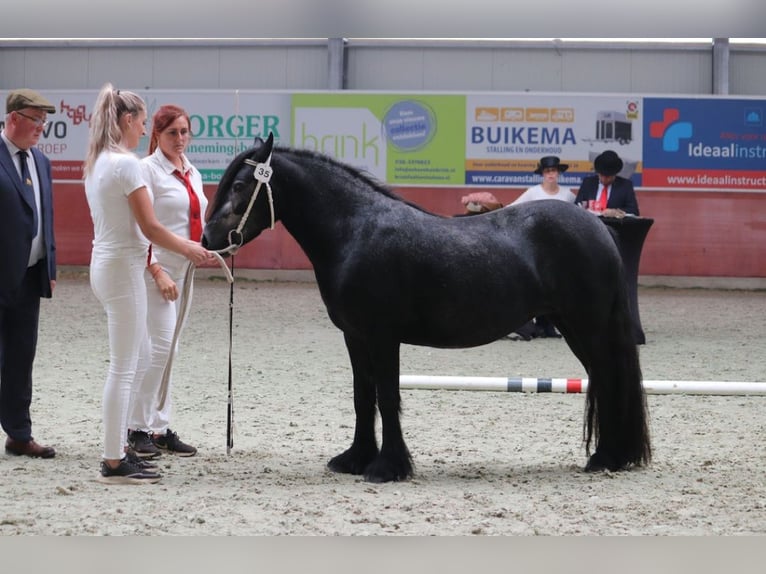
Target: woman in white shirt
123,223
549,167
180,205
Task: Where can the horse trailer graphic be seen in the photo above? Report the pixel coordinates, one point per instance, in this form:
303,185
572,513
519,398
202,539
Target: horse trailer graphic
613,127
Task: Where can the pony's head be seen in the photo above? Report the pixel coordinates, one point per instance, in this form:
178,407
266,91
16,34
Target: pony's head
242,206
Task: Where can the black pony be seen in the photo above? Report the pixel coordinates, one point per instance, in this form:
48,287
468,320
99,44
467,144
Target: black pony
390,272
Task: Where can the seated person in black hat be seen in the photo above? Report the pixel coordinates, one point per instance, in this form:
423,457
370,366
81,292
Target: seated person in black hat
613,195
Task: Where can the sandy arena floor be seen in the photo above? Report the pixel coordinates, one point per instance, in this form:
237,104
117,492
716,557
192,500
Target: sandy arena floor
486,463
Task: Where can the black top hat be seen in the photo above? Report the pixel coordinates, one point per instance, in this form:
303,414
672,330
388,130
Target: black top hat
608,163
551,161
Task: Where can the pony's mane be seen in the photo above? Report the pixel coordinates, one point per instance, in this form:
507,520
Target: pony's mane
315,156
353,172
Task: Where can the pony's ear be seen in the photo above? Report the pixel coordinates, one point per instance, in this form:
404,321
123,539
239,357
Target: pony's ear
268,144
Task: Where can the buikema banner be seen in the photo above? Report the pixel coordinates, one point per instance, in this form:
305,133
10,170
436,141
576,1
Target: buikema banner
507,134
446,139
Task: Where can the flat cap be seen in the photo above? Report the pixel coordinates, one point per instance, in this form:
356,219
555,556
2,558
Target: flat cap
26,98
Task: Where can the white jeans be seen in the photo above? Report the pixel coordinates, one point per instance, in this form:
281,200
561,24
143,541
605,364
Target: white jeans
145,412
119,286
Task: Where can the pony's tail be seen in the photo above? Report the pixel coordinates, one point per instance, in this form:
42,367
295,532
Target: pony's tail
617,415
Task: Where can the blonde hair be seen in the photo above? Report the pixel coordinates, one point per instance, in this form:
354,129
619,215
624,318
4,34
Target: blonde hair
105,131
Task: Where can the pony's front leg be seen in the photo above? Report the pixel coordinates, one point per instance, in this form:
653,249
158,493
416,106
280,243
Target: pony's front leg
364,449
394,462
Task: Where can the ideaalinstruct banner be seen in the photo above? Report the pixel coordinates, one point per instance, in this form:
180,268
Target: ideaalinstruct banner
705,143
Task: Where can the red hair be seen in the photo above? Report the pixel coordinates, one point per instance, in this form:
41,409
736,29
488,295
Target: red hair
162,118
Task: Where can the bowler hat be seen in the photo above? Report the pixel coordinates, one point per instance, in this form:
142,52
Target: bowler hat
551,161
608,163
26,98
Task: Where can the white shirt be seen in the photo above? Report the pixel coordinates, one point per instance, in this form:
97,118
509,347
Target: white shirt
537,192
115,175
171,200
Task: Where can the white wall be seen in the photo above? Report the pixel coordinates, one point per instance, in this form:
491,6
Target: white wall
546,66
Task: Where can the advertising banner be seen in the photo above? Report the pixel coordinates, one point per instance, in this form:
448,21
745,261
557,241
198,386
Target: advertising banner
507,134
476,139
704,143
223,123
398,138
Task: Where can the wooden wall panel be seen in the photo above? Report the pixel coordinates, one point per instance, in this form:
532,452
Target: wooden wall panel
705,234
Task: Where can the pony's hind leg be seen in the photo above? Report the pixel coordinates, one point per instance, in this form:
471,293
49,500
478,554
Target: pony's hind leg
364,448
616,416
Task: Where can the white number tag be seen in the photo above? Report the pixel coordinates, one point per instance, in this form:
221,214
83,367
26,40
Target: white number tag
262,173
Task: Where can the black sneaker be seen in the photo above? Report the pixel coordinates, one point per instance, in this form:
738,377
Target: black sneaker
172,444
126,473
526,332
142,444
143,463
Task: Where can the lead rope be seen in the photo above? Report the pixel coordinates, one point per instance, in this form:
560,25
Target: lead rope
230,396
180,320
262,173
183,311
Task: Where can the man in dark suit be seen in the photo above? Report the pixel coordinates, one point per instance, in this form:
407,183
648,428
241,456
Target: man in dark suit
28,264
619,190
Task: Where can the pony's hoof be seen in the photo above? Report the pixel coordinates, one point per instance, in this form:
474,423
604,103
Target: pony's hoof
382,470
351,462
601,461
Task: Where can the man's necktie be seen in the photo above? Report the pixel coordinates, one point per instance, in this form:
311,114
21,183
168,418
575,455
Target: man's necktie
604,198
195,220
26,180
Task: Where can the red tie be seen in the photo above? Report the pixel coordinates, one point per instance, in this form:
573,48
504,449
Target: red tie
195,222
604,198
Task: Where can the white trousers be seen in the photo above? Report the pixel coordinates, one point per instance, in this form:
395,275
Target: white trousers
120,287
145,412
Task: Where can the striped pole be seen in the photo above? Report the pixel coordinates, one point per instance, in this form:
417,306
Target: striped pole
543,385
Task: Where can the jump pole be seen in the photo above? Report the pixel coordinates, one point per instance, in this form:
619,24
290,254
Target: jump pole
541,385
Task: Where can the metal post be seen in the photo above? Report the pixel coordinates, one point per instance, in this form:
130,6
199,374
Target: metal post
336,70
721,66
